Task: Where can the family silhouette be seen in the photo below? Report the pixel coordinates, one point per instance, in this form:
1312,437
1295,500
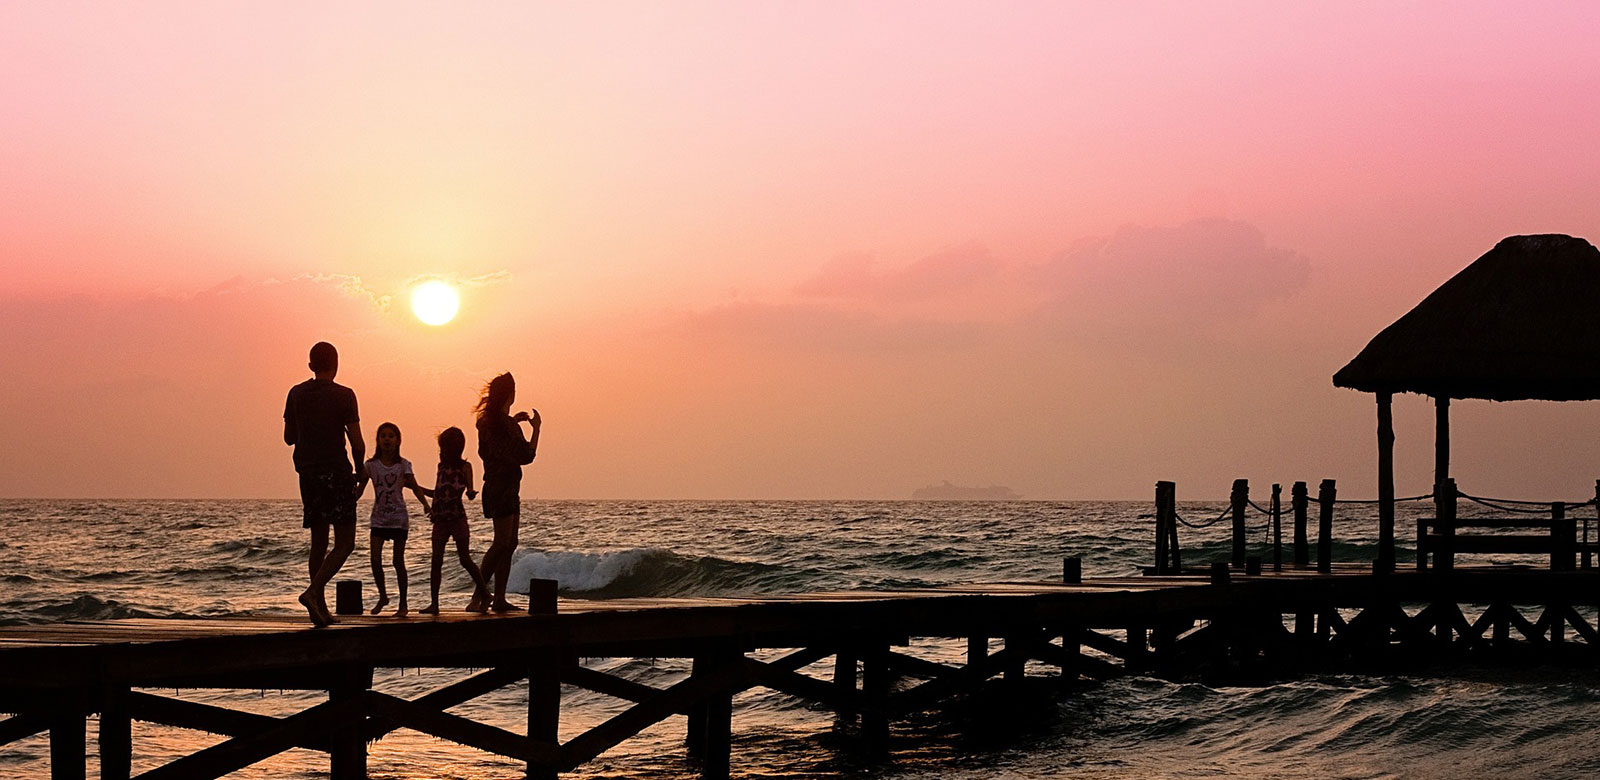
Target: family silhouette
321,416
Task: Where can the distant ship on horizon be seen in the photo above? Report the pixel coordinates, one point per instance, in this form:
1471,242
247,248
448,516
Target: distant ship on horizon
949,492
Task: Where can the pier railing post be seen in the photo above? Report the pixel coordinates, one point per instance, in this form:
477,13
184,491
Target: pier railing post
1238,499
1563,533
1277,527
1444,503
1297,500
1327,495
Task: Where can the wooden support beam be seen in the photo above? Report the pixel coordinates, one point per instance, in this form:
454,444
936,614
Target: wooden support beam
347,748
1582,626
1385,560
545,668
1016,666
115,736
803,686
462,731
197,716
67,755
876,677
609,684
844,673
458,692
912,666
21,727
240,752
1277,527
675,698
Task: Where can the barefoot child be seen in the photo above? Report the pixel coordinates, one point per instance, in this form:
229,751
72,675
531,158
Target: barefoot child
450,517
391,474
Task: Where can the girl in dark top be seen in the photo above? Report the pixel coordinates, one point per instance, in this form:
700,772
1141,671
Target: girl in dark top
504,452
450,517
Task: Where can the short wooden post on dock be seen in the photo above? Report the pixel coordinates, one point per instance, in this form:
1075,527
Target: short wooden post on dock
1167,559
1237,499
1071,570
1297,501
1277,527
347,597
116,735
1563,536
1327,495
1219,573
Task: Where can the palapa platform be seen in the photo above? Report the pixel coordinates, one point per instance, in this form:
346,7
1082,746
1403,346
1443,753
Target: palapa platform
53,677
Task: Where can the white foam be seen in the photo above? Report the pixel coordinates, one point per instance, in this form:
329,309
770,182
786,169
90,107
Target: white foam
577,571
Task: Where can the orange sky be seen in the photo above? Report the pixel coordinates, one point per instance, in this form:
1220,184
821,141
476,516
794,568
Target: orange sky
785,250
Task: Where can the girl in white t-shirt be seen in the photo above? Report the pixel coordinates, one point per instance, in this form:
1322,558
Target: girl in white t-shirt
390,475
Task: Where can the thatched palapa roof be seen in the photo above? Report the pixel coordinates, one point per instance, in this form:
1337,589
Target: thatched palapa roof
1522,322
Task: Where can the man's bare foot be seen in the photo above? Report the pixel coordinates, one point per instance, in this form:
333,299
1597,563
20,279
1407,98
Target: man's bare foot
402,610
383,601
318,618
505,606
431,609
478,603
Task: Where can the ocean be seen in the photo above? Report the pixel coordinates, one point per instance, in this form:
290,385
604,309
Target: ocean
77,560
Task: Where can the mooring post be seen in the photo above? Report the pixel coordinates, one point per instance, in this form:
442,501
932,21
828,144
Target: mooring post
1327,494
1444,553
1219,573
67,749
347,597
1277,527
116,735
544,681
1237,499
1563,533
347,755
1072,570
1302,550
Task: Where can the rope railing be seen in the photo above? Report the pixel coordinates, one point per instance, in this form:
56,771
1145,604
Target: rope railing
1423,497
1523,507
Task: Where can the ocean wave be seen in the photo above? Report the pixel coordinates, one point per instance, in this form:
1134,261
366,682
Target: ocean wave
87,607
648,571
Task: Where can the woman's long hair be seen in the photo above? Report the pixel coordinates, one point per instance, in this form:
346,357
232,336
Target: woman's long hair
495,396
376,450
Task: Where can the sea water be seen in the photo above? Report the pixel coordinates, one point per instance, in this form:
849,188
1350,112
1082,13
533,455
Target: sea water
77,560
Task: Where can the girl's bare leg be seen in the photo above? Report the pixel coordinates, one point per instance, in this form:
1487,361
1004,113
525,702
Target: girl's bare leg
400,575
480,591
376,542
505,532
435,571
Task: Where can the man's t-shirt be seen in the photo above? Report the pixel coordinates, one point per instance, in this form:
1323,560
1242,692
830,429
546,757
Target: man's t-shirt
318,410
388,498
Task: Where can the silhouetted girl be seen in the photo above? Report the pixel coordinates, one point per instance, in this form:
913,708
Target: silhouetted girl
450,517
504,452
390,475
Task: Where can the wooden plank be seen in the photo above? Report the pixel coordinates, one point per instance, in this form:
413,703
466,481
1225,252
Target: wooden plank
198,716
21,727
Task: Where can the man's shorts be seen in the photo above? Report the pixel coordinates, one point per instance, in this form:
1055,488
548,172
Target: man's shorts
392,534
328,498
501,500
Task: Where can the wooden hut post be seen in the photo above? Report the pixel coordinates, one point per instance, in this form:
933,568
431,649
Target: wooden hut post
1385,482
1277,527
1161,527
1327,494
1444,552
1563,553
1297,500
1238,499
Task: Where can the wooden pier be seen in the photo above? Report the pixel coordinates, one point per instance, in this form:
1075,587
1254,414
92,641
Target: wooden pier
54,677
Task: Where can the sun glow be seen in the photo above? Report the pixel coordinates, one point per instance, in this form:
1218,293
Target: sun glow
435,302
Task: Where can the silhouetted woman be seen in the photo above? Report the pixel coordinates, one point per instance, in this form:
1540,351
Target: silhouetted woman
504,452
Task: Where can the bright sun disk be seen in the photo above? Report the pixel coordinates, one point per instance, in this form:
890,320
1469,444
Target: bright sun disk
435,302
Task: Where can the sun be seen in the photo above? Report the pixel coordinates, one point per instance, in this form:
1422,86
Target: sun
435,302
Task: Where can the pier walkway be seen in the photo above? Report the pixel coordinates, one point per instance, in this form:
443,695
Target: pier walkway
846,651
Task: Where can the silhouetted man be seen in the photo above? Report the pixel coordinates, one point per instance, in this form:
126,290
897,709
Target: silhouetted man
317,419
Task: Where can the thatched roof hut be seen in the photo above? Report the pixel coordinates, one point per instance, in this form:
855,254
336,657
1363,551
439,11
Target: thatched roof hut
1522,322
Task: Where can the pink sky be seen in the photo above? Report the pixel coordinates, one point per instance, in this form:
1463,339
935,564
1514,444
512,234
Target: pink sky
776,250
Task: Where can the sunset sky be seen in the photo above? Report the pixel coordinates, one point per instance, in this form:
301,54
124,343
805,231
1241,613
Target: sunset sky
776,250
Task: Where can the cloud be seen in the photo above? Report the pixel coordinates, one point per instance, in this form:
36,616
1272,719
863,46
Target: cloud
957,271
